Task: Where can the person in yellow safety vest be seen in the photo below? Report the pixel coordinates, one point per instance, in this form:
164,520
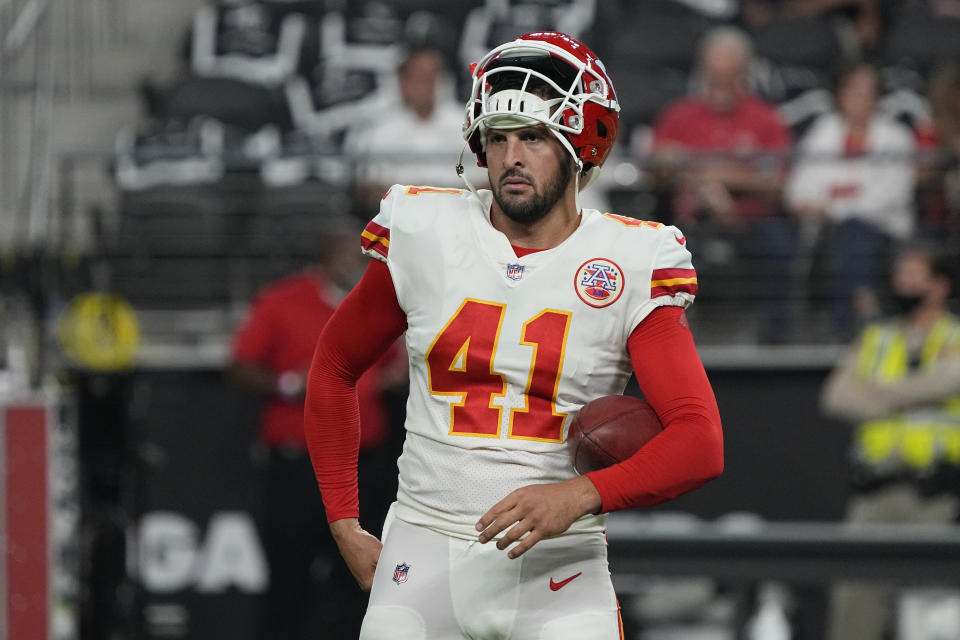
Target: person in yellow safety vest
901,384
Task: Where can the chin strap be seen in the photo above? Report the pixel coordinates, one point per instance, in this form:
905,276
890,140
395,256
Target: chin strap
461,172
576,185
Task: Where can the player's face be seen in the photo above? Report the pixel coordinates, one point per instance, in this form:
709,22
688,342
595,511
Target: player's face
529,171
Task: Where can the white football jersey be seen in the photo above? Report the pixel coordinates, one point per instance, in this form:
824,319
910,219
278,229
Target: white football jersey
504,350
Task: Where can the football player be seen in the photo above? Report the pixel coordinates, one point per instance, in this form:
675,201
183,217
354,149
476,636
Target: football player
517,307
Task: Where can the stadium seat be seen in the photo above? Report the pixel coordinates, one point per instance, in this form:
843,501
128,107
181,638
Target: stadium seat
169,152
175,283
177,221
499,21
802,41
312,9
794,59
290,221
644,91
653,33
454,12
258,42
335,99
921,41
235,102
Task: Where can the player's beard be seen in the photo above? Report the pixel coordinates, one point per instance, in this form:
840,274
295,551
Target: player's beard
532,209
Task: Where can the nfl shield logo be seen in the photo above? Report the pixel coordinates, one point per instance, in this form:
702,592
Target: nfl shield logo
400,573
514,271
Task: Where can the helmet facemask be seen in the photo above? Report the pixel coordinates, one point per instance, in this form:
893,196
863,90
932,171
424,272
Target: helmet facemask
515,94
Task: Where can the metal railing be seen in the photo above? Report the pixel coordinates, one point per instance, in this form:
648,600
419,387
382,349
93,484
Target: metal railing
734,295
797,552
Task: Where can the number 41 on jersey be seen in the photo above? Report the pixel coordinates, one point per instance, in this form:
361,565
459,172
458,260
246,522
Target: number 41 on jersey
460,363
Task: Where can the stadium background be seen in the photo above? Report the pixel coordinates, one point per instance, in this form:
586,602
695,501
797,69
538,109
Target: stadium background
128,169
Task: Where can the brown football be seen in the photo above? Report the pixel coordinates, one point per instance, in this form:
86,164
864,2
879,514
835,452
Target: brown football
610,429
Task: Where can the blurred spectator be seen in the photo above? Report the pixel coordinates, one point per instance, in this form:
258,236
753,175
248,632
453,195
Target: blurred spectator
854,177
272,351
415,140
724,150
901,383
718,135
945,102
941,140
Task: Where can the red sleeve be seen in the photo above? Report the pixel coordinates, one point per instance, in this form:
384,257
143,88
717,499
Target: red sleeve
363,327
689,451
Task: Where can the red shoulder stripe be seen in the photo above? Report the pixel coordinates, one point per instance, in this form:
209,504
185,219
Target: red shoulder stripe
378,230
375,238
668,282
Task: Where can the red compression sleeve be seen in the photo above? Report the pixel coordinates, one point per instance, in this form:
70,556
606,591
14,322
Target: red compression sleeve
363,327
689,451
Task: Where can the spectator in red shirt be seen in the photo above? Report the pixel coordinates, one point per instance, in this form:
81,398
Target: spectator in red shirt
271,354
729,141
724,151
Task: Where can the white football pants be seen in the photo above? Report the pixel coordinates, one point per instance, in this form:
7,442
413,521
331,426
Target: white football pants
429,586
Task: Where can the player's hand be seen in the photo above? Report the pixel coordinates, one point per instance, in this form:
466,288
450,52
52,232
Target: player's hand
360,550
538,511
